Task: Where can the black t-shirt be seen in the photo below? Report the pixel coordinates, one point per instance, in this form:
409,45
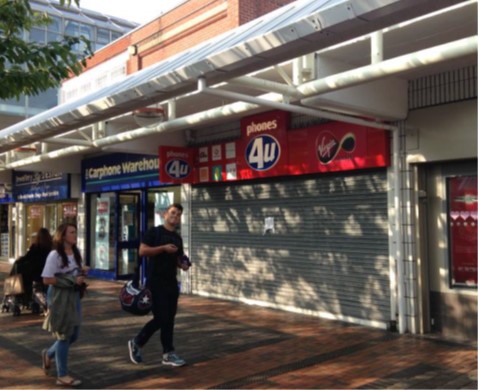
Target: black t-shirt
162,268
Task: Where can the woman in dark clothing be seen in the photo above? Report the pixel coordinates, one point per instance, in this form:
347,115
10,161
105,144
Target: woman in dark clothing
38,253
30,265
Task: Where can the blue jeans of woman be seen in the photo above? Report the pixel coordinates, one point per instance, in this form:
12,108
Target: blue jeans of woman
60,348
165,305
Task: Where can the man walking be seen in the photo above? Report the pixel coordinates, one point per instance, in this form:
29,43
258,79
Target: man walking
164,248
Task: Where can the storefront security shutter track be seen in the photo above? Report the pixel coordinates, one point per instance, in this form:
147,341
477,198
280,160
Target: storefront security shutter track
328,250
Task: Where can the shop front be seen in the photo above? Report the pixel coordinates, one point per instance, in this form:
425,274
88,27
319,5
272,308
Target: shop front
295,219
124,198
445,176
43,199
7,227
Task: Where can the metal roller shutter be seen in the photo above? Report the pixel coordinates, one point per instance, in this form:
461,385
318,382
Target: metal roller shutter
328,251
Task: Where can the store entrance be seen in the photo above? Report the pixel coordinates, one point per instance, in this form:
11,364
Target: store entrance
117,222
128,234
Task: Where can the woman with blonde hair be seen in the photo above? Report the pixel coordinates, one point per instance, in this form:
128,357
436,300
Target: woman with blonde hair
65,275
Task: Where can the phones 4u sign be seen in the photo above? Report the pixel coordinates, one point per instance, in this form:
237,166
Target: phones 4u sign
267,148
176,164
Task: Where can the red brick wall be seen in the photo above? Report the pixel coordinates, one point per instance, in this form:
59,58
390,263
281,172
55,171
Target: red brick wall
183,27
253,9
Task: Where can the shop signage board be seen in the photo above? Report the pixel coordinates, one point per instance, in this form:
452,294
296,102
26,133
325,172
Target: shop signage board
119,171
268,148
40,186
263,147
337,146
176,164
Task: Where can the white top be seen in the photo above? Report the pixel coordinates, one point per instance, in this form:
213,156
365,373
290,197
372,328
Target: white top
53,265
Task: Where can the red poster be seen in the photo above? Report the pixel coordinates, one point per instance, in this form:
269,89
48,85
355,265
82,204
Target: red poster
263,149
463,202
337,146
176,165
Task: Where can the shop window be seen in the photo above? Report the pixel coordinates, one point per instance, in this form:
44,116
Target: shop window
69,213
51,217
462,230
34,222
128,232
158,202
4,237
102,255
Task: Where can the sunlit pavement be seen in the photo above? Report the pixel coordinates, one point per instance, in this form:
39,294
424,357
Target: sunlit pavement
232,345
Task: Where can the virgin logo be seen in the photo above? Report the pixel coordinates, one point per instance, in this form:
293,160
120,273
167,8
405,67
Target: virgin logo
328,147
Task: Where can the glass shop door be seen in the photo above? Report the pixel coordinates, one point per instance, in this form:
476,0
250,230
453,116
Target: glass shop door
128,238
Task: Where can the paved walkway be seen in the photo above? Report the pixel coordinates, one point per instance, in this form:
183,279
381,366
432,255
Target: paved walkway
232,345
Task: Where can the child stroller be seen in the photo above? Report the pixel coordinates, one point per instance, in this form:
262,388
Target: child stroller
33,295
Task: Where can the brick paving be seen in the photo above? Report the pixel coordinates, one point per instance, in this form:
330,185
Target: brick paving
231,345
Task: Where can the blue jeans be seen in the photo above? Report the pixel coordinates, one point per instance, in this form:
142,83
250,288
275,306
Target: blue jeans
60,348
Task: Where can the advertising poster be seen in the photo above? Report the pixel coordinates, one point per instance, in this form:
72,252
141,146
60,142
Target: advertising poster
102,233
463,202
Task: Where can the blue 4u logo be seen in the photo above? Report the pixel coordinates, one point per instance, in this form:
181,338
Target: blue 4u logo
262,152
177,169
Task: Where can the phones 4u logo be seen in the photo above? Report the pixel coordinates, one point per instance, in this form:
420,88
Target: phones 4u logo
262,152
328,147
177,169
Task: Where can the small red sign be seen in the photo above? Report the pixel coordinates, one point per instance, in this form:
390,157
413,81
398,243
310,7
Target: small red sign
263,148
337,146
176,165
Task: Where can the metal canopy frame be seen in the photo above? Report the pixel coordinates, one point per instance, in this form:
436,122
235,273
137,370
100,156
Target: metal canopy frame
300,28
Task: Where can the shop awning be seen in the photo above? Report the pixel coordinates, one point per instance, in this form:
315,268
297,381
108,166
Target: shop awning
298,28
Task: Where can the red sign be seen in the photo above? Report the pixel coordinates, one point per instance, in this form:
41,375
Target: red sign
176,165
337,146
268,148
463,202
263,148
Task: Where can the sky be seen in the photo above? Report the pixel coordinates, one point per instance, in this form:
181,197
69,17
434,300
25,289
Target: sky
140,11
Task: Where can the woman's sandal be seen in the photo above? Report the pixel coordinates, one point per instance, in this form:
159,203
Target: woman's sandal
68,382
46,362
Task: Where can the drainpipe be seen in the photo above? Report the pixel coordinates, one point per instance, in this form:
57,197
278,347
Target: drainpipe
400,277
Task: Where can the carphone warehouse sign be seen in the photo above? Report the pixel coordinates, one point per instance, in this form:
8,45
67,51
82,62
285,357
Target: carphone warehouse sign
119,171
